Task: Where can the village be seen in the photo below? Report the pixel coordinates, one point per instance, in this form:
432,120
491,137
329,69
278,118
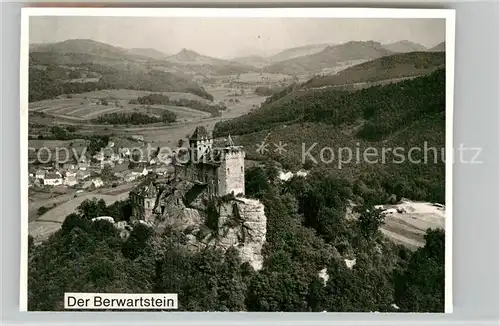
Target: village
110,167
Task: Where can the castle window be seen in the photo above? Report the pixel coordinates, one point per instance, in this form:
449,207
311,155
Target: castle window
227,170
147,203
241,169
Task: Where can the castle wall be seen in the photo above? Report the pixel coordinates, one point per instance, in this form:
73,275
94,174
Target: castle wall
142,207
149,204
199,148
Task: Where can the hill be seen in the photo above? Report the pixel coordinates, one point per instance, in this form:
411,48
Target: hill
85,46
253,60
148,52
191,62
330,57
404,46
407,114
441,47
298,52
77,66
394,66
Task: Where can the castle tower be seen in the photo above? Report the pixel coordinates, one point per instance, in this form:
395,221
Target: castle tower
149,194
200,143
231,173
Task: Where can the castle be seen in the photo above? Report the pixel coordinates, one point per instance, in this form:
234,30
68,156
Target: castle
218,170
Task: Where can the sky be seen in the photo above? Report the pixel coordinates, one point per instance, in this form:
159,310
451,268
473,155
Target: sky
233,37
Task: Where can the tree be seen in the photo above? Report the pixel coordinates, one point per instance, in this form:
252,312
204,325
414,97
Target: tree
42,210
420,288
91,208
137,240
370,221
256,183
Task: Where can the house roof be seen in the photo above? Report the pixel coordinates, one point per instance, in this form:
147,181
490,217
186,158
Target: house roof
199,133
53,176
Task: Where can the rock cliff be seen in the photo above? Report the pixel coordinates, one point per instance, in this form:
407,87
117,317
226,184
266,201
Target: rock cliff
217,222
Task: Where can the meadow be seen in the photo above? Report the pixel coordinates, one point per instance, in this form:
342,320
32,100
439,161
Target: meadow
89,105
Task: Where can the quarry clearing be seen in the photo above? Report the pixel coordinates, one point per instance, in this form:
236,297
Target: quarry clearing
407,222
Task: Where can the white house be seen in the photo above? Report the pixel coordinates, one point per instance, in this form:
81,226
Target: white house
70,182
69,166
130,176
83,166
125,152
53,179
82,175
70,178
99,156
97,182
105,218
40,174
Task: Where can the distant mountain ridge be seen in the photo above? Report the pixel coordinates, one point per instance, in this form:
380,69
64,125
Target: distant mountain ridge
53,67
298,51
85,46
329,57
441,47
194,62
148,52
405,46
253,60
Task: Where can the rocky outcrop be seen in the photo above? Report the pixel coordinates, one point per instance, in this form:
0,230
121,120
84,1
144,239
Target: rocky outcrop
242,224
220,223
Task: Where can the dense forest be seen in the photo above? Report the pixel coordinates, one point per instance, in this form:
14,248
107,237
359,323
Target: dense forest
398,65
306,232
134,118
161,99
385,108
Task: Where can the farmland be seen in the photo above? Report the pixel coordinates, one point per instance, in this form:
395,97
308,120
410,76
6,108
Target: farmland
80,108
51,221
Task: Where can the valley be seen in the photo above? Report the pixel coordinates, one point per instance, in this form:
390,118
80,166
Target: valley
234,93
114,203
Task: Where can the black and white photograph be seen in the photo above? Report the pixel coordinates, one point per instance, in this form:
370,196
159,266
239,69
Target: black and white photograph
236,160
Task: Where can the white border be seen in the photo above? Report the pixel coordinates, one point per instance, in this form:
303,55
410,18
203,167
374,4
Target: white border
448,14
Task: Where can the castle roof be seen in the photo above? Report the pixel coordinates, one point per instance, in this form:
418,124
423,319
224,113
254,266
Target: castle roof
199,133
146,190
229,141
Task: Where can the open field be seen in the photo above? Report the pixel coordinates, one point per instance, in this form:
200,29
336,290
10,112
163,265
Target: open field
86,106
51,221
49,199
128,94
407,222
169,135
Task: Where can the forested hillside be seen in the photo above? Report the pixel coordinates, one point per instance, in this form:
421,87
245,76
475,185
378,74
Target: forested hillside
399,65
306,233
76,66
53,81
385,109
402,115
